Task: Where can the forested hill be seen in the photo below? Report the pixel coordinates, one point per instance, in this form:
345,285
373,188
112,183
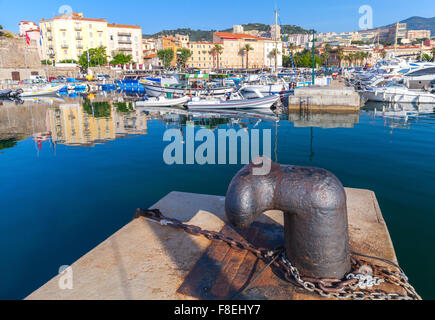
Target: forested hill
207,35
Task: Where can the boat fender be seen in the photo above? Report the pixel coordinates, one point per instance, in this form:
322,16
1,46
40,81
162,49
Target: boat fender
315,213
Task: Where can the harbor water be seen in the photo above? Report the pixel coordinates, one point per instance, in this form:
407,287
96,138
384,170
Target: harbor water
74,171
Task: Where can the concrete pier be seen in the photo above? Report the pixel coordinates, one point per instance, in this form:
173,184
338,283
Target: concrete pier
325,98
147,261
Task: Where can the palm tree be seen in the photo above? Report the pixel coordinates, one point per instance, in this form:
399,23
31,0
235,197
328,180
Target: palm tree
246,49
217,51
274,53
340,54
327,54
383,54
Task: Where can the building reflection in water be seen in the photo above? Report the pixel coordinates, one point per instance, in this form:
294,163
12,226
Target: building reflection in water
95,122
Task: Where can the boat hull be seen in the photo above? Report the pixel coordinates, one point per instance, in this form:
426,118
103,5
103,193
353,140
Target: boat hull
163,103
258,103
42,92
417,98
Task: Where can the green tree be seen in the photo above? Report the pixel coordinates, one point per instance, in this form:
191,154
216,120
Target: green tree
426,57
383,54
183,56
166,56
97,57
340,54
122,59
217,51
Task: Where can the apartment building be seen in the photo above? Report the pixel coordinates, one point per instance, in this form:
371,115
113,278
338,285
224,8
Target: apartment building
418,34
67,36
125,39
169,43
300,40
203,56
233,56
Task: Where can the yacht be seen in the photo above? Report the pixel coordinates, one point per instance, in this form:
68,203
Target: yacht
395,92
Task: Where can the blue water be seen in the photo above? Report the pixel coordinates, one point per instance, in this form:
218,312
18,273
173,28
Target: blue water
60,201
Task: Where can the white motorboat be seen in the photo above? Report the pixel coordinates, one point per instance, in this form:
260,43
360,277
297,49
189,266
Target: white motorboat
397,93
235,101
46,90
266,86
162,102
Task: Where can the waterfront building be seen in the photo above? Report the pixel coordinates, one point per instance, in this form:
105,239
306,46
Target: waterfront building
169,43
125,39
68,36
233,55
203,56
269,56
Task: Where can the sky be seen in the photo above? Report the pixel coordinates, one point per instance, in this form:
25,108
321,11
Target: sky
156,15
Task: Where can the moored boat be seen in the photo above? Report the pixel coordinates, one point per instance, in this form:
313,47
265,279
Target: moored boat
162,102
156,90
41,91
234,103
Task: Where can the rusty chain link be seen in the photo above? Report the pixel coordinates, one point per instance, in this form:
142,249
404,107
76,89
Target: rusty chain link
358,284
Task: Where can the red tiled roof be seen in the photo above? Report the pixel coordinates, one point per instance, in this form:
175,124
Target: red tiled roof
113,25
234,36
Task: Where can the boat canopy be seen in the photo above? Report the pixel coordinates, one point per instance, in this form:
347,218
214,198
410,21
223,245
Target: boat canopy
197,76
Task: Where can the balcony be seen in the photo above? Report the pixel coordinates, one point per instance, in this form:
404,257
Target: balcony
50,38
124,34
79,46
124,41
78,28
64,46
79,37
126,49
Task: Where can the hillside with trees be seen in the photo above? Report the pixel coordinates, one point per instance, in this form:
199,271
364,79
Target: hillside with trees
207,35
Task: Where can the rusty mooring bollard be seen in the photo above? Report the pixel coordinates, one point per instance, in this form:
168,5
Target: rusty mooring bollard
315,214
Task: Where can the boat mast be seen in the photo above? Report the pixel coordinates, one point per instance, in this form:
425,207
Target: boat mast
395,43
276,42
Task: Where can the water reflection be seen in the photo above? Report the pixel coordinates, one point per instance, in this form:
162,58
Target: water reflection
398,115
94,119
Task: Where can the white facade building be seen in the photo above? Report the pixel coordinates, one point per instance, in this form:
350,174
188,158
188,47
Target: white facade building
125,39
269,59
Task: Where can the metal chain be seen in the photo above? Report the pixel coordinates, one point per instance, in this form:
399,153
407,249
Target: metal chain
358,285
